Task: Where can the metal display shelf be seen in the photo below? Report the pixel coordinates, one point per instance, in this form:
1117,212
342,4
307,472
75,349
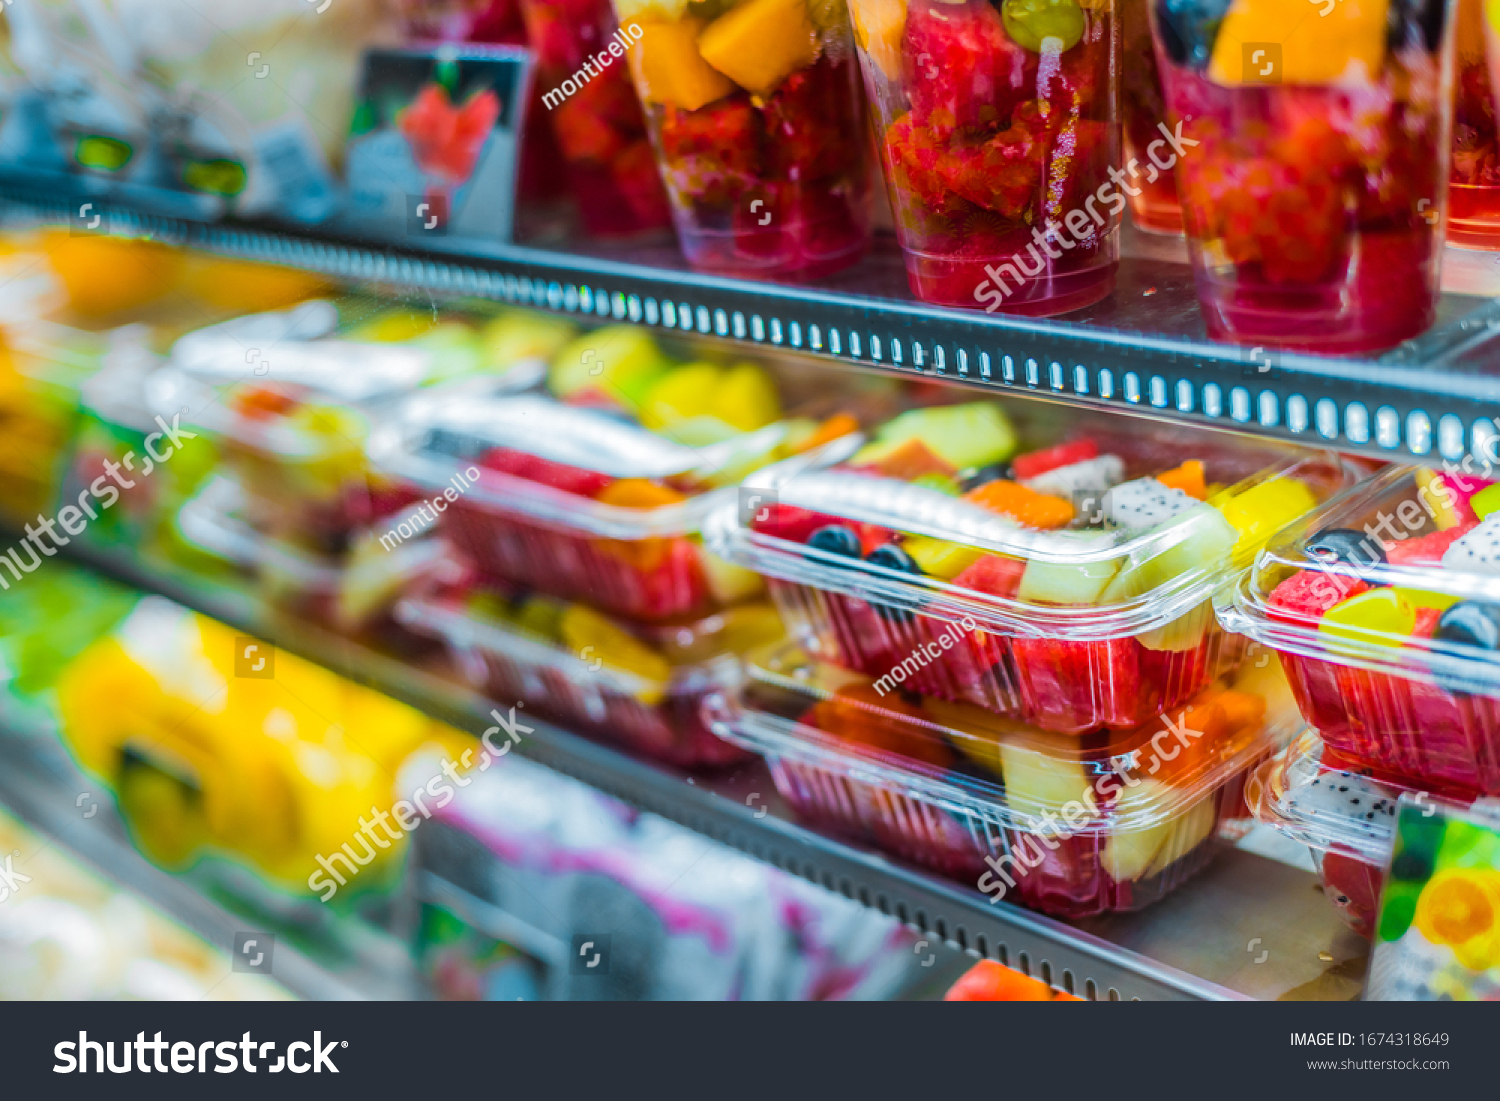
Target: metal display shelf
1142,350
1193,945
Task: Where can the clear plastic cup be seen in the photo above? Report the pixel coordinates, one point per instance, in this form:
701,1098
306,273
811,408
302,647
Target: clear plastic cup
1314,189
1345,812
1072,826
600,127
755,110
953,556
640,686
1155,207
1474,184
1378,604
997,140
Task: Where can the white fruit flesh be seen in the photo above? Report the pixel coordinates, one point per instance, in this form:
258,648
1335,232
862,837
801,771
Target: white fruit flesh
1478,551
1090,476
1144,504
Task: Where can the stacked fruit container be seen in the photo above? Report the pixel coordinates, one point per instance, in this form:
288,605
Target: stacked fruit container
580,505
1385,608
992,619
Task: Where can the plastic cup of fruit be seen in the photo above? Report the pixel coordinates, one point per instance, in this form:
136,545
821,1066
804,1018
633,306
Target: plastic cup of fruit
1153,205
602,132
754,107
1345,812
1474,181
1064,824
638,685
1385,608
1000,126
1072,595
1313,194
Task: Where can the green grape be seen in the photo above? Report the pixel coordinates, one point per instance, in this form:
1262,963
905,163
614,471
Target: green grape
1031,22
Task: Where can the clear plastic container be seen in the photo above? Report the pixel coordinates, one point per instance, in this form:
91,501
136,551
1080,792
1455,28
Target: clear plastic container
1345,812
641,686
1088,623
600,128
1154,204
999,128
351,592
1474,181
1315,191
578,502
1378,604
755,110
289,405
1073,826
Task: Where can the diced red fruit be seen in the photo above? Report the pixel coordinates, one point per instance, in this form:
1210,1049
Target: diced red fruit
1426,622
1354,887
1001,174
1426,549
1033,464
872,536
713,153
962,70
988,981
569,479
789,522
638,182
994,574
808,122
584,135
1310,593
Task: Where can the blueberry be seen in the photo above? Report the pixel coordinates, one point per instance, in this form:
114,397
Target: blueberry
1187,29
891,557
457,445
1353,548
1474,623
835,539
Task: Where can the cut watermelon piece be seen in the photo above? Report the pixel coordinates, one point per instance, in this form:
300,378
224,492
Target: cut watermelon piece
993,574
789,522
1426,550
1035,463
569,479
1311,593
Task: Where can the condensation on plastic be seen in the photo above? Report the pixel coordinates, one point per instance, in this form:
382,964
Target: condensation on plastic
951,821
1420,707
509,664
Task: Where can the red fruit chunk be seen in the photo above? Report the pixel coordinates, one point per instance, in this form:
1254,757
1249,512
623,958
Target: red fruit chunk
872,536
714,153
1353,886
1033,464
569,479
808,122
962,69
638,181
1426,550
789,522
993,574
1000,174
583,134
1310,593
1427,621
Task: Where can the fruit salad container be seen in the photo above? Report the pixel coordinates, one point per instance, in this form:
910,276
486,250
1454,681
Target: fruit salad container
351,592
288,403
755,110
1152,194
642,686
1385,608
1073,826
999,127
1345,812
1314,192
1059,573
1474,180
596,489
600,128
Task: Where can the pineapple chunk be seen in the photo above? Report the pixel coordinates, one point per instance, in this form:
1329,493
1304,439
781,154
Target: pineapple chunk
669,69
1037,781
761,43
880,28
1349,44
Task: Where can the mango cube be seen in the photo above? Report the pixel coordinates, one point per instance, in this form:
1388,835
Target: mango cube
761,43
669,69
1349,43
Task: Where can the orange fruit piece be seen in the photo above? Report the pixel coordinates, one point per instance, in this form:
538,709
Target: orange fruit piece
638,493
840,424
912,460
1037,510
1188,477
857,713
988,981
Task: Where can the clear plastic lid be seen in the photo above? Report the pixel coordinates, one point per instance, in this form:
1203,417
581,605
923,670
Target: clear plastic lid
577,468
538,631
970,761
1399,575
1085,530
1313,795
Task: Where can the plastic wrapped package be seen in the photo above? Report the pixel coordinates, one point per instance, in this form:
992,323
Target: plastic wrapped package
1071,825
639,685
596,489
1064,581
1384,607
681,917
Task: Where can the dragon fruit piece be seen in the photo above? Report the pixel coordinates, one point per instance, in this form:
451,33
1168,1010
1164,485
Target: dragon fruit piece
1478,551
1350,801
1144,503
1088,476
